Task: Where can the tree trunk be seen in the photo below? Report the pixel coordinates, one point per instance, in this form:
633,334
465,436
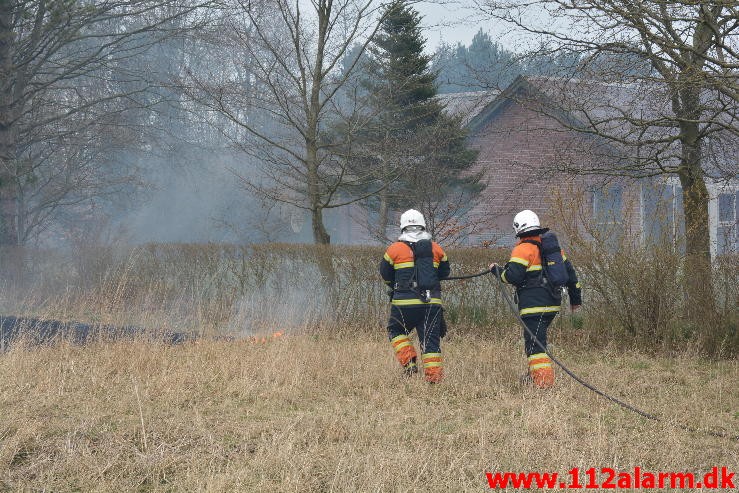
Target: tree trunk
313,111
383,213
8,202
324,257
699,279
8,211
320,235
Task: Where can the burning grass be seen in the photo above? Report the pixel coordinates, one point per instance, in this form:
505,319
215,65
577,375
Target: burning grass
329,412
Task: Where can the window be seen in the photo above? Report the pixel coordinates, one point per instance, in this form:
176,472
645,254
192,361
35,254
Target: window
658,212
679,216
608,213
607,204
727,239
726,208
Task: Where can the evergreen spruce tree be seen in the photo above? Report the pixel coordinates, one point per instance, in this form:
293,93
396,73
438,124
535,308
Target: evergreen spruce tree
415,149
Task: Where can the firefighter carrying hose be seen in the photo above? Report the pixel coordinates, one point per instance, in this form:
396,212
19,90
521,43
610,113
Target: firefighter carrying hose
412,267
539,287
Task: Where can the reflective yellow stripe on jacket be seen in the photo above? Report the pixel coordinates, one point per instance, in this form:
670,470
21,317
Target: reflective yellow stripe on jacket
539,309
416,301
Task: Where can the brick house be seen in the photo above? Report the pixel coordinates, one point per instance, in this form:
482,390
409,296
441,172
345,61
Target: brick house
526,148
526,143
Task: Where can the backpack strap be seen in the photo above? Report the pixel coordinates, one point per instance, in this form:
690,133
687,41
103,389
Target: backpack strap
533,242
541,257
539,246
412,283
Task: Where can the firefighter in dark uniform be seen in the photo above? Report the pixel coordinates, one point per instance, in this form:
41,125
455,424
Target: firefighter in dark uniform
538,304
413,308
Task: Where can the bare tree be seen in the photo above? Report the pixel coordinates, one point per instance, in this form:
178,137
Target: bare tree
281,97
673,69
65,96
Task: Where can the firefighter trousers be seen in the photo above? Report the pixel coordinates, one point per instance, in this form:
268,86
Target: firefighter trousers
540,365
539,325
428,321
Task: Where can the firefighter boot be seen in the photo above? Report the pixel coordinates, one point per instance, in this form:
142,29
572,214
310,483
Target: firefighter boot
541,370
410,368
432,367
405,353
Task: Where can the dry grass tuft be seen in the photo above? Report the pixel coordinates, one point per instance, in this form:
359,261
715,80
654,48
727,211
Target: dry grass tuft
331,413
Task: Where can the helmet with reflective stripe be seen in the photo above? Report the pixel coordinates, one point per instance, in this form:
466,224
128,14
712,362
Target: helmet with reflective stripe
525,221
412,217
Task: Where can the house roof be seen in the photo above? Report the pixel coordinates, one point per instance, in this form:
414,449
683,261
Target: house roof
467,105
639,112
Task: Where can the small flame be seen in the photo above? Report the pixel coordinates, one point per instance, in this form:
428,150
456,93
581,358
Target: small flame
265,339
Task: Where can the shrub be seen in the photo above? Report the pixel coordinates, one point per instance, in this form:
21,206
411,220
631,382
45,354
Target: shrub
633,296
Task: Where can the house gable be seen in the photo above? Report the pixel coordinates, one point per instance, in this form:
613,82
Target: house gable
529,147
520,149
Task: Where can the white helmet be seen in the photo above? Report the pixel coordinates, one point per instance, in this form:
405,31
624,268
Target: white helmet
412,217
525,221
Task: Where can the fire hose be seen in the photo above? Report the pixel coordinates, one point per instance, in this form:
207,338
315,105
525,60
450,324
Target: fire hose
578,379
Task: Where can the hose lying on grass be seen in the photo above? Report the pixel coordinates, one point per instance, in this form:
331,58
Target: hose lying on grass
629,407
578,379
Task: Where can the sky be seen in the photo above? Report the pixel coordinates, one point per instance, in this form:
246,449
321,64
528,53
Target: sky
457,21
451,22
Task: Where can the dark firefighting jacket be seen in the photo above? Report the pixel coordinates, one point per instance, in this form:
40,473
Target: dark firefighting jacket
524,271
397,270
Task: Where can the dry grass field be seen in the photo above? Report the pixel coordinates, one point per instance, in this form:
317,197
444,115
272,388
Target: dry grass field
331,413
324,408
